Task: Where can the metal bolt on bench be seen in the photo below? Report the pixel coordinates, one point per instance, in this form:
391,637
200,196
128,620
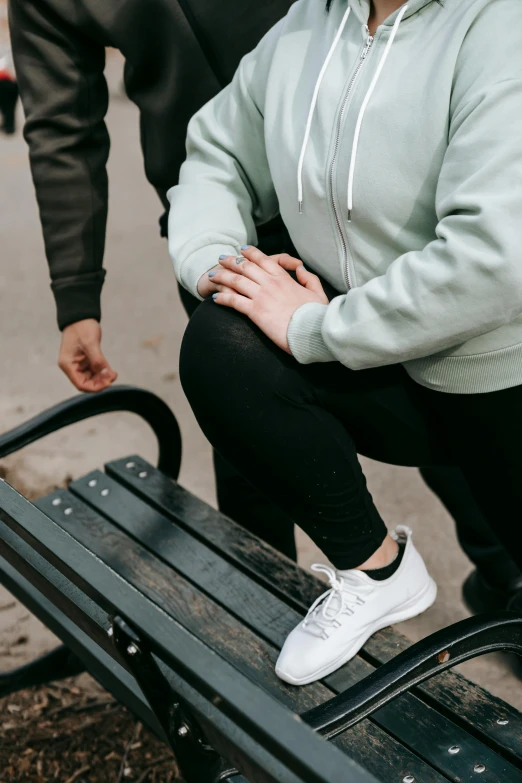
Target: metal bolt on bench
179,613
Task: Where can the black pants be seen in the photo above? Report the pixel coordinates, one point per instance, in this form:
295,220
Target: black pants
8,101
237,497
294,433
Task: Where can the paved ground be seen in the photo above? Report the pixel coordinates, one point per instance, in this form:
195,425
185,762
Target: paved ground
143,325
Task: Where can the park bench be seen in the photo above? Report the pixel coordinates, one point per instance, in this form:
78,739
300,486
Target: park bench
179,613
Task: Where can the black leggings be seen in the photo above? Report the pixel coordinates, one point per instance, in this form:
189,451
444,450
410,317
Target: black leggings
294,432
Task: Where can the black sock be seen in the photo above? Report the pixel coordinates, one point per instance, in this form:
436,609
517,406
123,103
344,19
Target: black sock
380,574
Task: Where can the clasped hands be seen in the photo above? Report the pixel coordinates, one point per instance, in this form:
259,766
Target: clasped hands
261,288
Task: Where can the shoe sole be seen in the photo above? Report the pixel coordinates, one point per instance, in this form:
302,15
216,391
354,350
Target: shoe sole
416,606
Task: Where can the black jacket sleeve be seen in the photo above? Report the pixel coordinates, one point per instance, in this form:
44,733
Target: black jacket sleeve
65,98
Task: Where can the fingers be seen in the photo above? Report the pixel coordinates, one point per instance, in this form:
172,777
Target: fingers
83,379
82,360
97,362
87,382
288,262
240,265
234,300
100,374
309,280
261,260
255,260
80,373
205,285
227,278
75,376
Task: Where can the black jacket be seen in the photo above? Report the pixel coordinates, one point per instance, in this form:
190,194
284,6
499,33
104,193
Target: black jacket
179,54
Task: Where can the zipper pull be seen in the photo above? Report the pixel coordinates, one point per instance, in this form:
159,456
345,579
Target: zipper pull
368,46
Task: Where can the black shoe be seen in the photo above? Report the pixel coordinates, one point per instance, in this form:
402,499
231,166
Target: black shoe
481,596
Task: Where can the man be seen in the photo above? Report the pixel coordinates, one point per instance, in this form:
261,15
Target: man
178,53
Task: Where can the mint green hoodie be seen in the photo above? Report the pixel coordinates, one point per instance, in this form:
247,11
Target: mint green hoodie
396,164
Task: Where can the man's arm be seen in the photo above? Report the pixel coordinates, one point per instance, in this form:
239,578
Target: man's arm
64,94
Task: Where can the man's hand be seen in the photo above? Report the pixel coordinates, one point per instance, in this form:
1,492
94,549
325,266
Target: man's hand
260,287
81,357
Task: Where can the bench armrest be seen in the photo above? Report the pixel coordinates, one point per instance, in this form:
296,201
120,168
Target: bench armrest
83,406
500,632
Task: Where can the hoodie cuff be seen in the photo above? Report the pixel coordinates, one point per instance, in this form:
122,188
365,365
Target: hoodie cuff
305,336
78,298
200,262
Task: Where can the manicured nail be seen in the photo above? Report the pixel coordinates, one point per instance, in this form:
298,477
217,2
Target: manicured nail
245,247
211,274
215,296
222,258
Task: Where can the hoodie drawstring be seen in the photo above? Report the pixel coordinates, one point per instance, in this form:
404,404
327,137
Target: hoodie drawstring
312,108
364,106
361,113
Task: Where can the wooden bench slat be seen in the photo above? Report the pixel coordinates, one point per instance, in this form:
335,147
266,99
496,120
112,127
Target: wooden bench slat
89,617
98,657
457,696
281,748
258,559
256,606
99,662
367,744
466,703
411,721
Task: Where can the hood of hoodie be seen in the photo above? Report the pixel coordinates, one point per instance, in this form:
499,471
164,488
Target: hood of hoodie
362,9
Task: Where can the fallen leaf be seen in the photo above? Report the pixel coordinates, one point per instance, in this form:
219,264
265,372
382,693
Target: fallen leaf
23,639
153,343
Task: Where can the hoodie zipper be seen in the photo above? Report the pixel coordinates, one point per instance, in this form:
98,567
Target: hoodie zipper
364,55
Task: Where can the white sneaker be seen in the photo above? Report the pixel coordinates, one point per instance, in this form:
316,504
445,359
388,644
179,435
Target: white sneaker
341,620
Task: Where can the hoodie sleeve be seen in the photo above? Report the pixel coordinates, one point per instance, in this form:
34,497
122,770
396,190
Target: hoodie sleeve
64,95
467,281
225,185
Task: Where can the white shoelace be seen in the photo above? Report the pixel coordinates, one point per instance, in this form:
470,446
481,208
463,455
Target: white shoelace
341,598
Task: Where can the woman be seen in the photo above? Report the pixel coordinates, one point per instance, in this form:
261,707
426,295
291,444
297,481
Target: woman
388,136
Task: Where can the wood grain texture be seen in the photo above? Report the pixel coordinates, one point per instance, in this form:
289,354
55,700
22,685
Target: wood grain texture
466,703
456,696
408,719
285,749
248,553
368,744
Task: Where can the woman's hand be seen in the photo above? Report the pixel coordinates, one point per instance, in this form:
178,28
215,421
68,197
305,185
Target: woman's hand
260,287
205,285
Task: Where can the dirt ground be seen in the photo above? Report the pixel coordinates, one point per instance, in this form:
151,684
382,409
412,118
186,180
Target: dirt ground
143,324
74,732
